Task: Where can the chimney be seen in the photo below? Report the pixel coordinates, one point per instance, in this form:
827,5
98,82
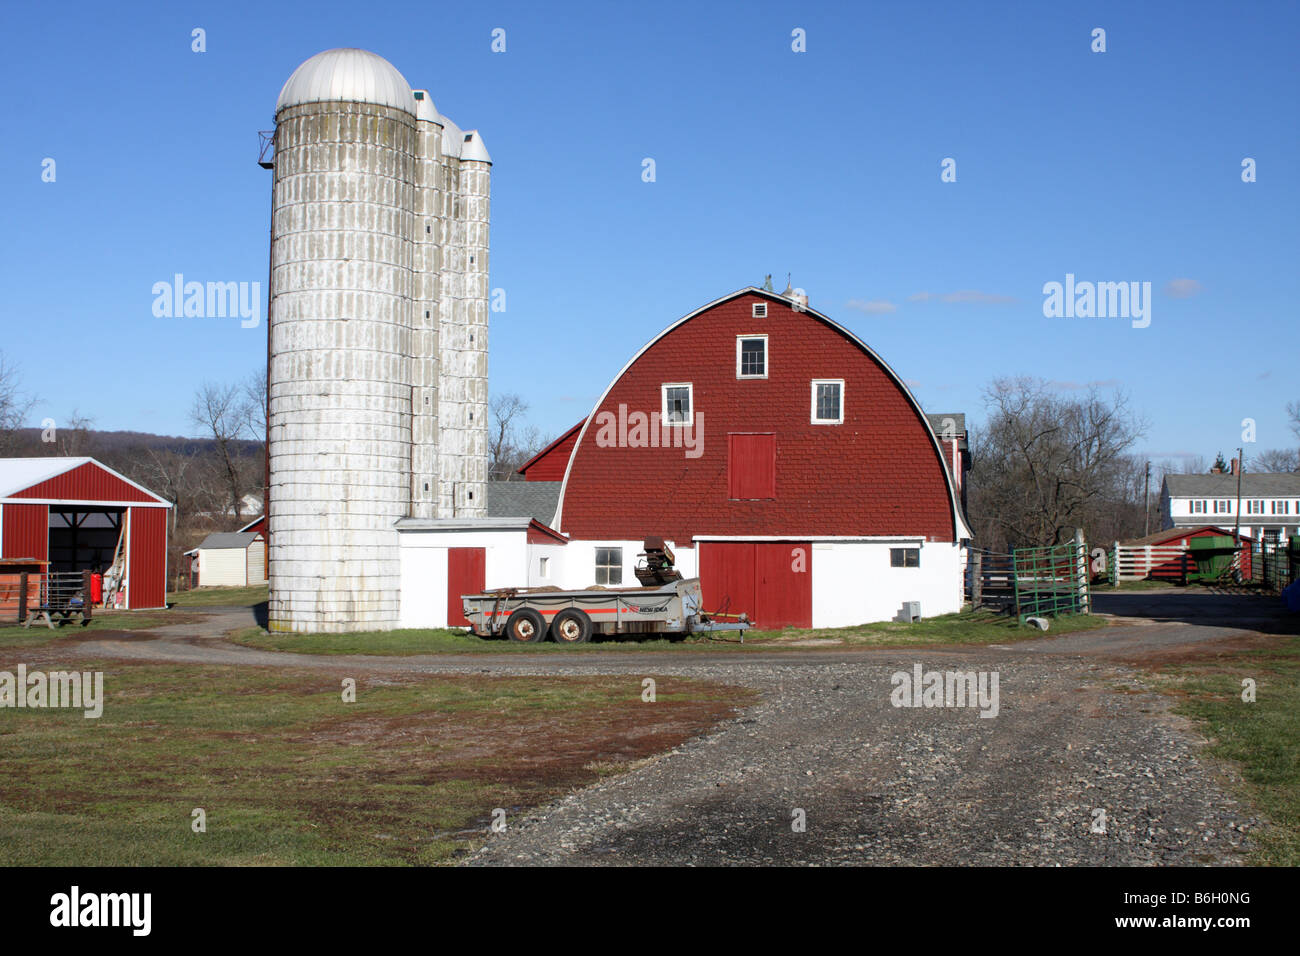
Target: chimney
1236,466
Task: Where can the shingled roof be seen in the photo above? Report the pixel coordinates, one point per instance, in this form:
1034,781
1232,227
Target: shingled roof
523,499
1263,485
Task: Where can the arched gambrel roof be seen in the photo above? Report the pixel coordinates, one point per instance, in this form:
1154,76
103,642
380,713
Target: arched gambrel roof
959,519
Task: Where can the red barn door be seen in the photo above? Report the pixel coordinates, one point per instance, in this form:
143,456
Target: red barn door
771,581
466,574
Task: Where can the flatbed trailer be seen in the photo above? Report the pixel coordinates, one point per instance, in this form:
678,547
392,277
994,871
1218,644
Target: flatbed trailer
528,615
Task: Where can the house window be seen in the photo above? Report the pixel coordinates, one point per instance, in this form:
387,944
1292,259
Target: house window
827,401
1198,507
751,467
1222,506
904,557
609,565
543,567
677,407
1254,507
751,356
1281,507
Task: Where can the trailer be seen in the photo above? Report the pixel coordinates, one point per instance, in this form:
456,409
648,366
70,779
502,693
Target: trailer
528,615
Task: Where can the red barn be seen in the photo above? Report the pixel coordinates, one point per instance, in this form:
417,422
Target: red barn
77,514
785,461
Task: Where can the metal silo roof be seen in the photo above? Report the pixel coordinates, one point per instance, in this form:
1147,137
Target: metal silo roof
347,75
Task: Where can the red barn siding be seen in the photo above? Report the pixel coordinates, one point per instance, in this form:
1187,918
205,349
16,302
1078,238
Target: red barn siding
751,466
147,573
550,463
878,473
26,531
88,482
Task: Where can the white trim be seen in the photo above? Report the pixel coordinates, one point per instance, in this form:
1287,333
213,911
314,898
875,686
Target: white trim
870,538
86,502
741,338
960,528
755,314
812,412
663,411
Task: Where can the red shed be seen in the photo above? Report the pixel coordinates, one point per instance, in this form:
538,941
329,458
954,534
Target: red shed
77,513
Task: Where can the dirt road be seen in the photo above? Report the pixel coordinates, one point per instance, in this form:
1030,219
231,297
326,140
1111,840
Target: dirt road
1082,763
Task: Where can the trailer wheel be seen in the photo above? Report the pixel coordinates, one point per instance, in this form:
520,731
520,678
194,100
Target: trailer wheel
571,626
526,626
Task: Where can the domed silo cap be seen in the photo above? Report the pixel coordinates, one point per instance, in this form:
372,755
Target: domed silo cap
348,76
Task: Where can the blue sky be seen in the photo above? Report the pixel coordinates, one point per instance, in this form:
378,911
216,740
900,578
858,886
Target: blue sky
1115,166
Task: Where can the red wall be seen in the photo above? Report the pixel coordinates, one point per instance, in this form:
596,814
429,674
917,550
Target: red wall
26,531
147,574
550,463
877,473
87,482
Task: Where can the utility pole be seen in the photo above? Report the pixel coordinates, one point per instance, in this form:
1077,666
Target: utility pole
1236,528
1146,503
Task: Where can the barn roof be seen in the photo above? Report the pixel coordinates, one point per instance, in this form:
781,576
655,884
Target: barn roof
228,539
523,499
961,525
34,479
1177,534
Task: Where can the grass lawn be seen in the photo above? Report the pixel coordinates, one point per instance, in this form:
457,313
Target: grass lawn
1262,738
220,597
981,627
38,634
289,774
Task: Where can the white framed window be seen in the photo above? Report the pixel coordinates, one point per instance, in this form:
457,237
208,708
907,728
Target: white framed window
1222,506
609,565
677,403
1197,506
1282,507
751,356
904,557
827,401
543,567
759,311
1255,506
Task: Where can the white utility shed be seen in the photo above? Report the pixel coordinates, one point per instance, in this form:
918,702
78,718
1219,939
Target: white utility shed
232,559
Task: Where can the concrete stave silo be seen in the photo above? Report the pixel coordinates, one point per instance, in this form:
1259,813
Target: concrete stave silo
370,287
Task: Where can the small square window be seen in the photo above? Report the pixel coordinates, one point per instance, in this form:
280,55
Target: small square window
543,567
904,557
759,311
751,356
677,406
609,565
827,401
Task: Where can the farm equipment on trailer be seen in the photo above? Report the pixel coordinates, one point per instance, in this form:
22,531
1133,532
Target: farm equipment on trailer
571,617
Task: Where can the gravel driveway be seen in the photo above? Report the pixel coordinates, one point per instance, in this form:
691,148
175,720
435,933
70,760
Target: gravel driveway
1083,764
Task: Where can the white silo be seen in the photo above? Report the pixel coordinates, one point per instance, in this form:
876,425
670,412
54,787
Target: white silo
378,336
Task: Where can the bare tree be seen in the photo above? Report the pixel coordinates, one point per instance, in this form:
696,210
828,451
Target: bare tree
1046,465
257,410
1277,460
74,437
511,442
15,406
1293,412
221,410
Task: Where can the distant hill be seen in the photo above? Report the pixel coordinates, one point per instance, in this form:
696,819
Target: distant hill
93,442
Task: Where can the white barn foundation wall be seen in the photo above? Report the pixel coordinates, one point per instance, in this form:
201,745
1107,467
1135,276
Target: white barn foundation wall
853,582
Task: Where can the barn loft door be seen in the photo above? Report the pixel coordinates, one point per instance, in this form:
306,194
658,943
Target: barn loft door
466,574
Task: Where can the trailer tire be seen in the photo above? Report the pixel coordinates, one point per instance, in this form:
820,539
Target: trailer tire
571,626
526,626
